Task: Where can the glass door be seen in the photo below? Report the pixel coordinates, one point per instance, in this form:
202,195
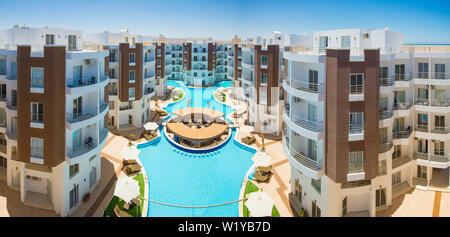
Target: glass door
312,149
422,96
439,123
323,43
72,44
440,71
77,76
76,139
381,197
399,99
439,97
77,107
396,178
423,70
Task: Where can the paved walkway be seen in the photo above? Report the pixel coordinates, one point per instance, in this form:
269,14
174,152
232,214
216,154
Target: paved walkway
419,203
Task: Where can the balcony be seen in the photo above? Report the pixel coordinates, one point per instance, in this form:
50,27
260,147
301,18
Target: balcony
402,77
303,159
384,147
85,85
438,158
432,75
385,115
355,184
398,162
401,134
386,82
88,145
148,91
432,129
401,106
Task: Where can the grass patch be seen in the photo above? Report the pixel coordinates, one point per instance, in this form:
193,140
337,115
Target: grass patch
179,97
134,211
250,188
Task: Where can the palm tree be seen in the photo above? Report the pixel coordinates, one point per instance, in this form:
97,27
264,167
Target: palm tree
131,136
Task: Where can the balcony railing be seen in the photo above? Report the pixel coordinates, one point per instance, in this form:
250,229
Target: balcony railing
355,129
306,86
383,147
401,106
385,115
401,134
305,123
37,118
74,83
402,77
432,129
356,89
78,117
432,75
88,144
355,184
148,91
386,82
304,159
432,157
432,102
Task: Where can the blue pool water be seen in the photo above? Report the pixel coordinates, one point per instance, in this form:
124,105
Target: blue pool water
189,179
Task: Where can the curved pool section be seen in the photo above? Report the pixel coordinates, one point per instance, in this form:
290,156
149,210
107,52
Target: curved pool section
195,179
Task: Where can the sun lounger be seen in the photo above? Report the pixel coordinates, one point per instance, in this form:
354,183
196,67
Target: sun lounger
248,140
132,169
265,169
136,201
260,177
120,213
129,162
149,137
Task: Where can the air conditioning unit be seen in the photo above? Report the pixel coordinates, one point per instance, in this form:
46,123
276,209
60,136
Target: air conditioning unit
89,61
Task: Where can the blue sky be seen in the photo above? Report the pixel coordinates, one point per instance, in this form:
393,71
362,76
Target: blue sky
420,21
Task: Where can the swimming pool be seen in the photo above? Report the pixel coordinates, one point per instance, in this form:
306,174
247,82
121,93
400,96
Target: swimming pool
188,179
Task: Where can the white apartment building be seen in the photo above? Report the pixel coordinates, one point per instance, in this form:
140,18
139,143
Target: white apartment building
52,115
407,94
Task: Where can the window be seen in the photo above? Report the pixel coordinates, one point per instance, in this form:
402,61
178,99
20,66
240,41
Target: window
440,71
423,70
400,72
421,172
3,162
73,170
422,121
345,42
315,209
380,197
439,148
382,136
2,67
37,147
131,93
37,112
131,76
396,178
263,79
316,184
112,73
132,58
264,60
382,168
313,80
74,193
37,77
356,122
383,74
2,91
356,161
49,39
356,83
111,104
397,152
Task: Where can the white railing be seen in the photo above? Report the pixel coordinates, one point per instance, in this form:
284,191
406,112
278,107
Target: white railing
386,82
386,115
402,77
304,159
356,129
356,89
432,157
88,144
432,75
432,129
305,123
432,102
305,86
401,106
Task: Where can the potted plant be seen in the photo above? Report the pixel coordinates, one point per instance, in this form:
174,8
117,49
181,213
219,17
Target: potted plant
131,136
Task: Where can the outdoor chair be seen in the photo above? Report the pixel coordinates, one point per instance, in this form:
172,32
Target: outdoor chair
129,162
265,169
260,177
120,213
132,169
